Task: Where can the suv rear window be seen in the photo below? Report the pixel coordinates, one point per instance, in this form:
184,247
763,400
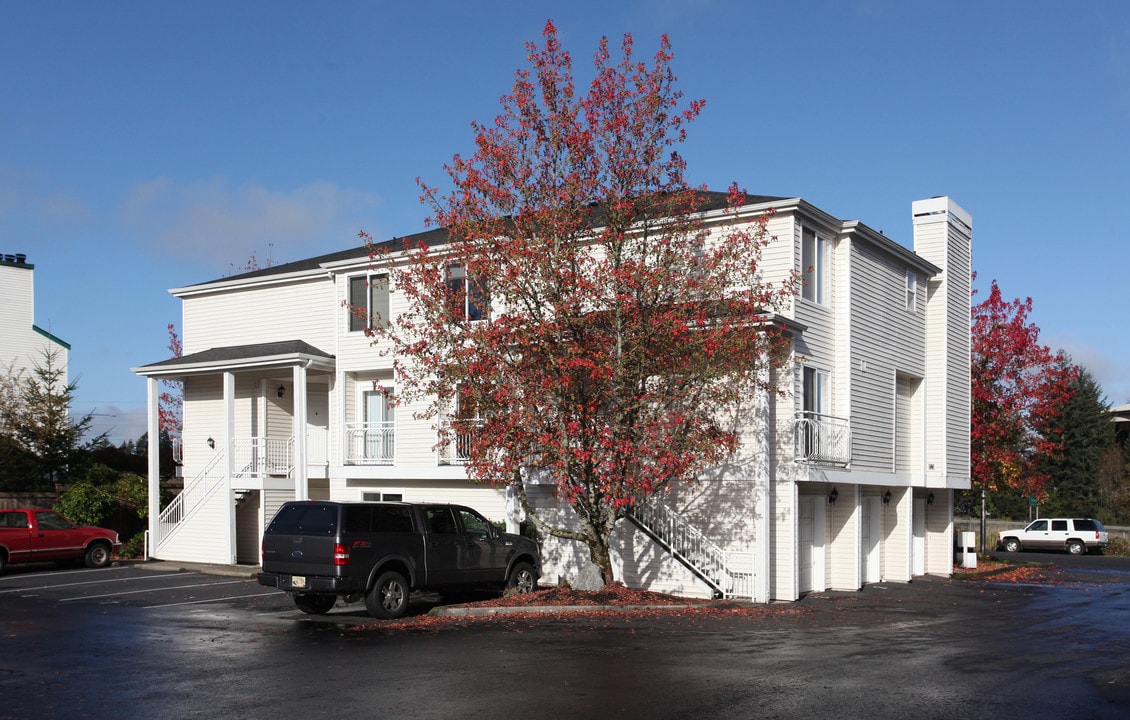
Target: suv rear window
377,518
305,519
1088,525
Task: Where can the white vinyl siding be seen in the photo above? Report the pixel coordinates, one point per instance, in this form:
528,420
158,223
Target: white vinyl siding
885,340
276,313
942,236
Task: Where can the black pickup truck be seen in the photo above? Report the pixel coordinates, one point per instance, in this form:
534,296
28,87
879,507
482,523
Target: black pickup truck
318,551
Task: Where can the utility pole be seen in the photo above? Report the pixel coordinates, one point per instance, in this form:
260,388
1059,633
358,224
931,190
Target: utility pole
982,519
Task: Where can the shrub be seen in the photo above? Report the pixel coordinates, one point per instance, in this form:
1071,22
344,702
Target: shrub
85,503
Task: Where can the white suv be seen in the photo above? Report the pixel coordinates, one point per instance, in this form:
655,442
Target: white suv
1075,535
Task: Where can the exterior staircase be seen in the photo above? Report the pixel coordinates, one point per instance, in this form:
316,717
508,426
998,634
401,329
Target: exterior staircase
259,457
698,553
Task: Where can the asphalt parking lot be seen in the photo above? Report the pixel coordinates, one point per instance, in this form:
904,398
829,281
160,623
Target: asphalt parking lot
128,642
152,586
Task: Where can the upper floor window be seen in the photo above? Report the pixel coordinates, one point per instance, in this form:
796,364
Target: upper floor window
815,391
368,302
813,261
469,299
911,290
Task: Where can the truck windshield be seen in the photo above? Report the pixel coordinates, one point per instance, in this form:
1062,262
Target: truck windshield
313,519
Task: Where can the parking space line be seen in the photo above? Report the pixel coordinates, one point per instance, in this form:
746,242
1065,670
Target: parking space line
88,582
212,600
134,592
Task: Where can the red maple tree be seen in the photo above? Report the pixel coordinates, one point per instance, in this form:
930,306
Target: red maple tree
1019,387
579,322
170,401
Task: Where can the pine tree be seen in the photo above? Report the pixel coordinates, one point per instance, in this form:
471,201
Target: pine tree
1084,432
41,443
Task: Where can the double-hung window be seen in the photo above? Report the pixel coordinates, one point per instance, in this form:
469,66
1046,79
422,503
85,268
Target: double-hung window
911,290
469,299
368,302
813,262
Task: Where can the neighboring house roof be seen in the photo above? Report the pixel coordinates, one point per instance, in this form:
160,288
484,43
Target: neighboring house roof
261,355
62,343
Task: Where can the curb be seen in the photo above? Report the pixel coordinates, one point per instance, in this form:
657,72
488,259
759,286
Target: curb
456,611
238,571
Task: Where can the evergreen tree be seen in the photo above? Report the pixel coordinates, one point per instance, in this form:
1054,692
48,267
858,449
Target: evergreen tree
41,444
1084,432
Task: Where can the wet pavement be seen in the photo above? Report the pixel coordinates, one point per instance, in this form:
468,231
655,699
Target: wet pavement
137,644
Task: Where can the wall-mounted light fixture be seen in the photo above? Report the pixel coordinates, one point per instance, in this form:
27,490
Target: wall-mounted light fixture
832,496
887,498
211,443
930,499
281,391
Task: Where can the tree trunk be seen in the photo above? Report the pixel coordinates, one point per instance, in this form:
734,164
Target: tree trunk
601,556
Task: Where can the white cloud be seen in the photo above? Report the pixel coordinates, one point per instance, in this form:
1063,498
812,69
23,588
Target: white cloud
225,226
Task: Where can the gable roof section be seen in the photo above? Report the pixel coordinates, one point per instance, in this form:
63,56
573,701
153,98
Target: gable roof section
711,201
241,357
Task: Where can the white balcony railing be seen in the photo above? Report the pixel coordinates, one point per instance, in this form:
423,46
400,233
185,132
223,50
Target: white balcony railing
370,443
457,449
822,439
257,457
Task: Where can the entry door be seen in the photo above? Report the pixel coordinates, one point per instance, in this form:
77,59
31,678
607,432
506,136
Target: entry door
918,541
871,531
379,413
810,544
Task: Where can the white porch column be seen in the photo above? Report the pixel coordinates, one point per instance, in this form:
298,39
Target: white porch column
513,511
301,467
229,462
153,425
761,482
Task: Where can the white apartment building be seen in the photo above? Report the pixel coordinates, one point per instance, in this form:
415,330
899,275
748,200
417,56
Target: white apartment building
843,479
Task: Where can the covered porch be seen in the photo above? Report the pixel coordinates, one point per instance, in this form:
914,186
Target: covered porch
259,435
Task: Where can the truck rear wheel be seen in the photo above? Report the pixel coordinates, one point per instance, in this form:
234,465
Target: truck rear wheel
313,604
388,598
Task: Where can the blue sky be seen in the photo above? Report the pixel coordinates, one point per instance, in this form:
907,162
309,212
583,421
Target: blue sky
147,146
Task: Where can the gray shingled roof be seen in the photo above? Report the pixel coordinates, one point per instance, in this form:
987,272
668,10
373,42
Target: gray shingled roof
710,201
237,353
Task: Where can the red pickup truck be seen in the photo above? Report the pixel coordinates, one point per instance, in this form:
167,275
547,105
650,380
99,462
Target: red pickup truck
43,535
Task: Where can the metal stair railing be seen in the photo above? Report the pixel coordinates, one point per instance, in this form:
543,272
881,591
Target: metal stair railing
193,495
693,549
